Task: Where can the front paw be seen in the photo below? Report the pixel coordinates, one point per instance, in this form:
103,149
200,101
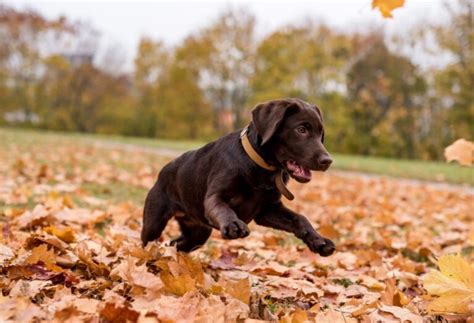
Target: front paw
324,247
234,229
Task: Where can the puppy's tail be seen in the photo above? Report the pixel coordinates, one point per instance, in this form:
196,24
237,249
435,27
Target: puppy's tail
156,214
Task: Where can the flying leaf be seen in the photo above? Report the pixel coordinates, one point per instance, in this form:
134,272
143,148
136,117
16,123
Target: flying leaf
454,284
387,6
461,151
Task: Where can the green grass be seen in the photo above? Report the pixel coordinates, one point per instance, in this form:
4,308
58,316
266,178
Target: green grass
29,136
413,169
116,192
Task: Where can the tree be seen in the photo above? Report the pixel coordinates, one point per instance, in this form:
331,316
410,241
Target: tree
151,66
383,88
307,61
185,111
24,35
455,82
225,53
83,98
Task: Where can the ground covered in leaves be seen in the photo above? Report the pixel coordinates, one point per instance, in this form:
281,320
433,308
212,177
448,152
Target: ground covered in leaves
70,214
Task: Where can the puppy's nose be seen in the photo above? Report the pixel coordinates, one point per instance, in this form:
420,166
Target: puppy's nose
325,161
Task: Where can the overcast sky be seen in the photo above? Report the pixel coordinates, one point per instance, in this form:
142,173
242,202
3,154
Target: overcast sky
123,23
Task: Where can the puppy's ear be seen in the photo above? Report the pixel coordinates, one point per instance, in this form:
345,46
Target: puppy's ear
320,114
318,111
268,116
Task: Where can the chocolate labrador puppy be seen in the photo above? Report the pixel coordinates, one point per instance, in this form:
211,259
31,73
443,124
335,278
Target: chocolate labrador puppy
241,177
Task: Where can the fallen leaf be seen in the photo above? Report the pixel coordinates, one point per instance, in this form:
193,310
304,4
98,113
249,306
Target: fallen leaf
298,316
181,275
65,257
137,275
113,312
44,255
37,216
66,234
402,313
25,287
329,231
453,283
239,289
6,253
332,316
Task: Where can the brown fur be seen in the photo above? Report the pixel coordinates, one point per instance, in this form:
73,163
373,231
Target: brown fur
218,186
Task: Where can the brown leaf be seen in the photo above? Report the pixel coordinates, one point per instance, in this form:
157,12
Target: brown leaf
298,316
181,275
38,216
402,313
137,275
24,287
85,255
6,253
329,231
332,316
45,256
120,313
178,285
239,289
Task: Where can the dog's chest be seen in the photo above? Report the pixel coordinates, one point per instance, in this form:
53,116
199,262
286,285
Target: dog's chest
248,200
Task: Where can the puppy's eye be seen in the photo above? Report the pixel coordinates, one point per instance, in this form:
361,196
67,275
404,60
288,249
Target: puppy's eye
301,129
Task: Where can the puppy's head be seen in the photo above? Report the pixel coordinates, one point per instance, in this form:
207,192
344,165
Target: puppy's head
292,130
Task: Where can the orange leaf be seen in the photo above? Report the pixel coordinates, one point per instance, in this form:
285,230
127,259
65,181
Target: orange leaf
66,234
181,276
178,285
328,231
41,253
239,289
461,151
387,6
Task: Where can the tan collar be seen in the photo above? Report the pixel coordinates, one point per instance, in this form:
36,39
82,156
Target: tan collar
252,153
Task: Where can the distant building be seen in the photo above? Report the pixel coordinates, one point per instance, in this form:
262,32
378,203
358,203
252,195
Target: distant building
77,60
225,120
19,116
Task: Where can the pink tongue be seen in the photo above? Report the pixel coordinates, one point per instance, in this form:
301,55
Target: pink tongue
297,170
302,172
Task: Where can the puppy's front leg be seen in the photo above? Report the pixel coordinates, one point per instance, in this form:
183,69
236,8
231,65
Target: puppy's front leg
222,217
279,217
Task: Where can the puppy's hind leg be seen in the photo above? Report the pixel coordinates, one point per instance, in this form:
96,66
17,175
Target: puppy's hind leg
157,212
193,236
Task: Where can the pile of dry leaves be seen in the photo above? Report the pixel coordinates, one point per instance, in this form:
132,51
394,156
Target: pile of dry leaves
69,250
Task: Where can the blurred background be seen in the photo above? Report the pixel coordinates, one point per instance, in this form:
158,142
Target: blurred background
399,87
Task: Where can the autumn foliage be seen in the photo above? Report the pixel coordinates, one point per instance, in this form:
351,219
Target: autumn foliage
377,97
70,214
71,207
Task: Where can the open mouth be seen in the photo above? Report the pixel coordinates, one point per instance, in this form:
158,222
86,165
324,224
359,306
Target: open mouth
298,172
